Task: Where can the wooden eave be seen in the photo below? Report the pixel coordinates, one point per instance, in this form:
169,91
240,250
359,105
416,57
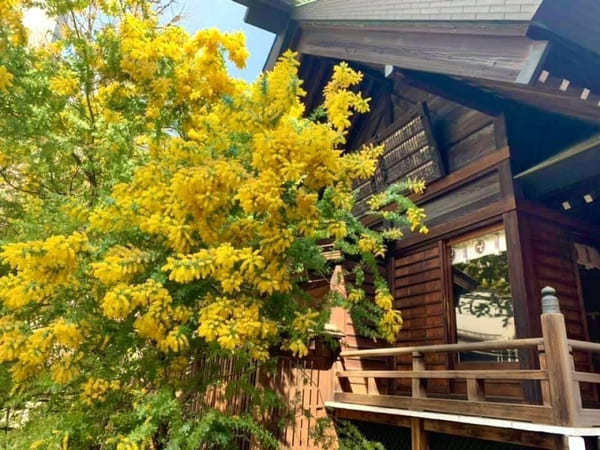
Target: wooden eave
270,15
549,93
564,169
502,58
507,58
570,21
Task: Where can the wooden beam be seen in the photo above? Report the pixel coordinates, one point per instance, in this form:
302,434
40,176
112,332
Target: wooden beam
545,98
452,89
508,411
365,416
524,438
452,374
484,216
463,347
463,176
485,57
494,434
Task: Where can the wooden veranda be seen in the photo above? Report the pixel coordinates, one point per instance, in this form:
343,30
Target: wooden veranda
561,409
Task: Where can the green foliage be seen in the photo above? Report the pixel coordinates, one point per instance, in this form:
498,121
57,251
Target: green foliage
350,438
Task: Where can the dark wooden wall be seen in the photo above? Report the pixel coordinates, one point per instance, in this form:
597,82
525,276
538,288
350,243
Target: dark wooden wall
477,192
465,137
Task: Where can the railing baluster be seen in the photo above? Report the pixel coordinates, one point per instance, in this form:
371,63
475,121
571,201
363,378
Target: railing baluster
545,386
392,382
418,365
475,390
372,388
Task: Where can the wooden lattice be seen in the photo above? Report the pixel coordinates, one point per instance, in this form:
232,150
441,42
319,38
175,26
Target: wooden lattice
410,151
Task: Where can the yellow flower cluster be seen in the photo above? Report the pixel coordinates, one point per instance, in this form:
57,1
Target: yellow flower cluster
230,211
96,389
416,186
42,267
231,267
64,84
376,201
415,216
65,370
11,17
339,100
390,324
369,244
303,326
157,318
52,346
199,72
384,300
67,334
128,444
356,295
5,79
235,324
120,264
391,320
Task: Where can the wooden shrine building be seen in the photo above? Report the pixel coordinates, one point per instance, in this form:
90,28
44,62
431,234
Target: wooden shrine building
496,104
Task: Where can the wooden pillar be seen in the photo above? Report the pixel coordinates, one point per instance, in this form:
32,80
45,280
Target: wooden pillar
564,390
523,288
418,435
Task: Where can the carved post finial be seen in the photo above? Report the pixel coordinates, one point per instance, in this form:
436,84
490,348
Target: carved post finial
550,303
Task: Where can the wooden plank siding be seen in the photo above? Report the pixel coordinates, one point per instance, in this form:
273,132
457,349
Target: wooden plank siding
419,297
306,384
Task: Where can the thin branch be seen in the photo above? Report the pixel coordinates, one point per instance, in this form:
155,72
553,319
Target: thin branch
17,188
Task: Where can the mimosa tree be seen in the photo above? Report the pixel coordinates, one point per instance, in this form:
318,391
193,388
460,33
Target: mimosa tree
156,211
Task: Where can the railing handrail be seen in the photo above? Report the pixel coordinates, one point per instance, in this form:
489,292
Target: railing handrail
446,348
585,346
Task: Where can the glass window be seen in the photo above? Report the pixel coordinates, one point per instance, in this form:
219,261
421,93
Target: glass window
482,299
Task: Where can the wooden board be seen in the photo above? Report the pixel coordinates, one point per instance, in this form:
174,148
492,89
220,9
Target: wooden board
526,413
485,57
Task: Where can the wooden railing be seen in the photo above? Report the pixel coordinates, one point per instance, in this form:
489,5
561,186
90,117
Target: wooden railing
556,378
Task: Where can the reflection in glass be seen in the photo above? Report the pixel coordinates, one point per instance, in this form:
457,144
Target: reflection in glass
482,298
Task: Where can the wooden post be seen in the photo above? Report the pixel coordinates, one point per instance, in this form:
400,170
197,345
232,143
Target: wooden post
418,436
418,365
337,325
564,390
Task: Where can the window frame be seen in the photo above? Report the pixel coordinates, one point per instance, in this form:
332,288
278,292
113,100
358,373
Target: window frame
446,262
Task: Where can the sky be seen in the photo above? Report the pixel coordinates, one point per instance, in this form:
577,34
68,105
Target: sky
227,15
